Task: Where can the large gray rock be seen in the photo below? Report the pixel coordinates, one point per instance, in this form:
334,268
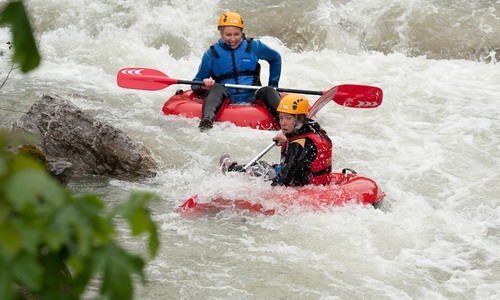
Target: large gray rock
91,146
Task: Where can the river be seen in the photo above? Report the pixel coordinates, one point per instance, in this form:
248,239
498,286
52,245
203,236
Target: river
433,145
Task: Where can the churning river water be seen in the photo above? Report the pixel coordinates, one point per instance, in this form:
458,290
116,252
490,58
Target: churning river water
433,145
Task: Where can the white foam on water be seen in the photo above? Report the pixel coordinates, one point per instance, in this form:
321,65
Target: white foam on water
432,145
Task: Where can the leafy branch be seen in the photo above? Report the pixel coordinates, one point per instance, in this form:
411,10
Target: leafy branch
8,75
26,53
53,243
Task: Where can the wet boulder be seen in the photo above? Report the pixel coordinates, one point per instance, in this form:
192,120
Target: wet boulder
91,146
60,169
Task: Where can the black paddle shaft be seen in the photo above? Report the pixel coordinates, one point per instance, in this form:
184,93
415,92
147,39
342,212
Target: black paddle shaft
255,87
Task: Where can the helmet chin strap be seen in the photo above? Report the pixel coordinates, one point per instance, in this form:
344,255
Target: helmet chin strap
298,124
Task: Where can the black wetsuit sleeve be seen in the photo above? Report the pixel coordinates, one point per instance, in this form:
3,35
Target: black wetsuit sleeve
296,169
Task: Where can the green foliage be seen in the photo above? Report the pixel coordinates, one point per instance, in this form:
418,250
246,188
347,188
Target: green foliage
53,243
26,53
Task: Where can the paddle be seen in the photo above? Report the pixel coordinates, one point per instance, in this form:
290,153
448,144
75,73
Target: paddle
349,95
259,156
360,96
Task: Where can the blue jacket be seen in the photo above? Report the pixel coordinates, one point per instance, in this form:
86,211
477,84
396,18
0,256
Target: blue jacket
239,66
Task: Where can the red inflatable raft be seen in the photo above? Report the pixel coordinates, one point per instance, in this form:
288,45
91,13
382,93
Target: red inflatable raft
188,105
345,188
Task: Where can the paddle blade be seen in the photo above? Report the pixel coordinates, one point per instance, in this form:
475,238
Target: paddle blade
322,101
143,79
358,96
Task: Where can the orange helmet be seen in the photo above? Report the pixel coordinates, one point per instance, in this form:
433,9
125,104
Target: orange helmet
294,104
231,19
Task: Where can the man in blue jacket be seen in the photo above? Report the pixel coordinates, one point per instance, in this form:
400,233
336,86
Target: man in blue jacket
234,60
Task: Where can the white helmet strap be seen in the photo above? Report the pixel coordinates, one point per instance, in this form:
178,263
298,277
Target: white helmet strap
298,124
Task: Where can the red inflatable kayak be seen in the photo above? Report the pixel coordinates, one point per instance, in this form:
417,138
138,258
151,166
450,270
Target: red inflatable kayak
188,105
345,188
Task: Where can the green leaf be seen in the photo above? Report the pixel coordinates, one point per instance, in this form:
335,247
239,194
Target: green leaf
6,282
44,229
30,237
136,200
33,188
27,271
4,210
139,218
117,266
10,240
154,242
80,223
3,166
93,229
25,49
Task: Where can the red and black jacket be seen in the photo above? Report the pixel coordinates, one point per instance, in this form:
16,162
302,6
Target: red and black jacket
306,157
